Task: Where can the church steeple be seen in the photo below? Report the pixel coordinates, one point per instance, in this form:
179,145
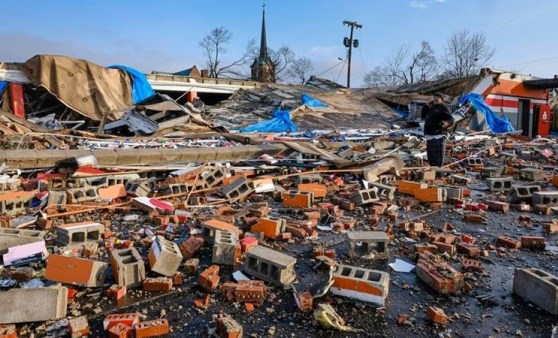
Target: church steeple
263,69
263,42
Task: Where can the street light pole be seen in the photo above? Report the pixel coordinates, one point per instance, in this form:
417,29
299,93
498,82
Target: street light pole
350,43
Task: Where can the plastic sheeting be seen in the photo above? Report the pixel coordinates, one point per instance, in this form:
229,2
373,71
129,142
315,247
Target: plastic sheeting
496,124
281,122
141,89
312,102
3,85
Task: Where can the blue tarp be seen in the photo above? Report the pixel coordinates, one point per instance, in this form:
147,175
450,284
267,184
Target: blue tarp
281,122
3,85
141,89
312,102
497,124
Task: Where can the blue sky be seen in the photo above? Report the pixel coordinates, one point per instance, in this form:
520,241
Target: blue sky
164,35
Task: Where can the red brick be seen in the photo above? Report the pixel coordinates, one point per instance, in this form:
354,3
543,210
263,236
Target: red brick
439,275
191,246
436,315
157,284
468,249
474,218
152,328
550,227
420,248
178,278
129,319
8,331
304,301
209,278
298,200
444,247
202,302
227,327
533,242
508,242
319,190
117,291
498,206
251,291
471,265
120,330
248,243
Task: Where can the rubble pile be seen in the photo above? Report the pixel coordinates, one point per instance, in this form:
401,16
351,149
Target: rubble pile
358,235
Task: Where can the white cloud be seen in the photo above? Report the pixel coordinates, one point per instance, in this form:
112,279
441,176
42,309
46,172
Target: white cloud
424,3
418,4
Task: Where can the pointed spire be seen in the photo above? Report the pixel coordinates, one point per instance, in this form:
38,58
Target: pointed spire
263,42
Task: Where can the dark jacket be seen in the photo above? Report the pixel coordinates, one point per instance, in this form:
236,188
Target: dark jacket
436,114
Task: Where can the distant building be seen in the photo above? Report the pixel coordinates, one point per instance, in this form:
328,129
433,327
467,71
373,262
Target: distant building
262,68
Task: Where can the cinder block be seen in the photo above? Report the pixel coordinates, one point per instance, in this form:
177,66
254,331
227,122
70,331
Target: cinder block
213,177
383,191
298,199
226,249
16,237
13,203
548,198
270,265
128,267
80,195
524,193
531,174
431,195
79,233
77,271
211,226
371,242
490,172
270,227
410,187
538,287
362,284
164,257
474,162
137,188
306,179
499,183
237,189
366,196
58,198
33,305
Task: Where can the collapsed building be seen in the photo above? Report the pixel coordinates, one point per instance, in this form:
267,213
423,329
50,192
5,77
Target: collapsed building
278,210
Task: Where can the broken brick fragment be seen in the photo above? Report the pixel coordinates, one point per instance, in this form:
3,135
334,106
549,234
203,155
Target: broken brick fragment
436,315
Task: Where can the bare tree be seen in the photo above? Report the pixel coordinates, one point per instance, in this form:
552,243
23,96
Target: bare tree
299,69
465,53
214,46
404,67
281,59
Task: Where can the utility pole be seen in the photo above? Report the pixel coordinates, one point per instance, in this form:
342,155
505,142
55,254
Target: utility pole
350,43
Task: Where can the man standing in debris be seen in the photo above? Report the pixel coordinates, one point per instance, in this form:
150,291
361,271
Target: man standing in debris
438,120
